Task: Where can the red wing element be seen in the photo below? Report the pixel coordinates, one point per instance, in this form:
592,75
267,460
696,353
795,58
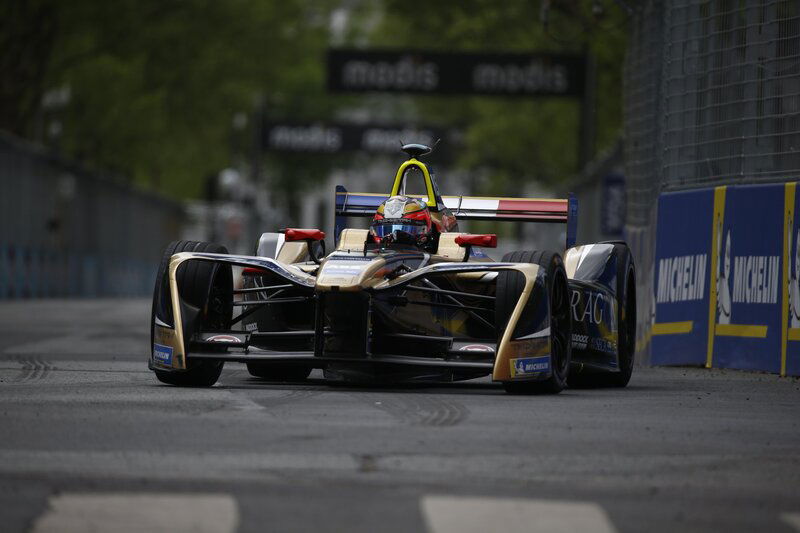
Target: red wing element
297,234
488,240
253,271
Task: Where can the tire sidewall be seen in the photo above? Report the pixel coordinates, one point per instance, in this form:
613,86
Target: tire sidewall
626,318
555,272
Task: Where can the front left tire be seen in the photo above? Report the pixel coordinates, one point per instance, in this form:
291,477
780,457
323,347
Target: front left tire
509,288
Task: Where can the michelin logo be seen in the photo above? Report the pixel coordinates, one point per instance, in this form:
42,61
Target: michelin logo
681,279
162,354
755,279
528,366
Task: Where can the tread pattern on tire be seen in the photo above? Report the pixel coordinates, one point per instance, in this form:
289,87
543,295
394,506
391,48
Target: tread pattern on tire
514,283
194,284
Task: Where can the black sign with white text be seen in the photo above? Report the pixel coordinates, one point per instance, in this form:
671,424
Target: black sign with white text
535,74
321,137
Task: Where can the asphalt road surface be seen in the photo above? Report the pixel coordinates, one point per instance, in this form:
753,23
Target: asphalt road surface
89,440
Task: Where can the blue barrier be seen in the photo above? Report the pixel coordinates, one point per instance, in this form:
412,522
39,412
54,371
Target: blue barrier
726,279
41,273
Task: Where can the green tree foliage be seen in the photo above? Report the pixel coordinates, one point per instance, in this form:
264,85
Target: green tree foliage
154,84
516,139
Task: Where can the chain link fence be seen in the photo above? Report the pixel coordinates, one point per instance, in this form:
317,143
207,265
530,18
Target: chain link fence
67,232
712,97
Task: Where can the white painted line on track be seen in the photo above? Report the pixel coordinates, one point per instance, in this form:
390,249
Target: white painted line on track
140,513
793,519
454,514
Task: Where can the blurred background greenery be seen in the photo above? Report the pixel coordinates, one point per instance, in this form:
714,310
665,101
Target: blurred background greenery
162,93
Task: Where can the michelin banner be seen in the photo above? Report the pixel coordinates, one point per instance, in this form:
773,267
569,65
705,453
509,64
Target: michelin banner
726,279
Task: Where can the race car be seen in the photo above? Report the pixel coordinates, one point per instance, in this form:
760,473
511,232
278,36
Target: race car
409,299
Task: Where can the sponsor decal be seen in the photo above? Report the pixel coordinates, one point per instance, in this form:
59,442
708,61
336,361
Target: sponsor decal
345,269
529,347
529,366
587,306
475,348
580,341
349,258
223,338
164,336
251,326
598,344
162,354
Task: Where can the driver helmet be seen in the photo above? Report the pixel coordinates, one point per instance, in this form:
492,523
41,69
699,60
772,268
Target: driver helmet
404,219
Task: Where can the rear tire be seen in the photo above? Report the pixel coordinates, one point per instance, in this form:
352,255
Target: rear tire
509,287
278,372
626,321
202,285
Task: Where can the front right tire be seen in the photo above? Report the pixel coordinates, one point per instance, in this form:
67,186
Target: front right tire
203,285
626,322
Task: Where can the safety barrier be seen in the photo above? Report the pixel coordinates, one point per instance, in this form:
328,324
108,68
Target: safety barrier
67,232
726,281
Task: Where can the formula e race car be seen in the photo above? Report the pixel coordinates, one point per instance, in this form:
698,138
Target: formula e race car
409,299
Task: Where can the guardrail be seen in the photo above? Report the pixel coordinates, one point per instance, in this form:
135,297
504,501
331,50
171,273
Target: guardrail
727,278
65,231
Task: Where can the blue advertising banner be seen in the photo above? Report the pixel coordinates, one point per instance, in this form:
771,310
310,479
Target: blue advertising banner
727,279
790,309
680,282
746,280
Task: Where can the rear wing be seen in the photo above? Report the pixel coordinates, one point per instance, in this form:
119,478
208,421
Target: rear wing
561,211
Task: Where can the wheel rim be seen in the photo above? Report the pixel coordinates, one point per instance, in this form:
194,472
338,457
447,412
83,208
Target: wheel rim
559,322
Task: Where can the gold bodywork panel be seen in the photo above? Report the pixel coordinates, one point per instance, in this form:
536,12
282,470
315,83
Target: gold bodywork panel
352,240
508,349
350,276
168,337
448,250
293,252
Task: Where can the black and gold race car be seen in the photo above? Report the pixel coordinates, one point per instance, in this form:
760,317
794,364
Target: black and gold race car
411,299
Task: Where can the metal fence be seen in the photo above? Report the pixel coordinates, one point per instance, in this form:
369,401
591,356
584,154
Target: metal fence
732,92
67,232
712,97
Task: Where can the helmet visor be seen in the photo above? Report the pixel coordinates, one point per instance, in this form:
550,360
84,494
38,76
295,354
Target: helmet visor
382,229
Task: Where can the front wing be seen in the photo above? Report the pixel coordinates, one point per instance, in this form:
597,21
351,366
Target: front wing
437,320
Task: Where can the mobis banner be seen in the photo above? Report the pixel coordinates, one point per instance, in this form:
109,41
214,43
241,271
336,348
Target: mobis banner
726,279
429,72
